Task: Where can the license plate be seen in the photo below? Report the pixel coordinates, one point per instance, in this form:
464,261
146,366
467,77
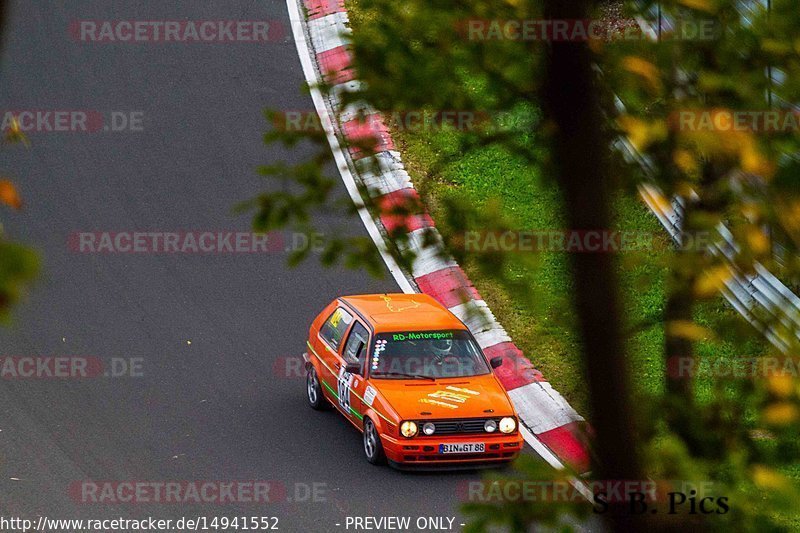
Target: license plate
462,448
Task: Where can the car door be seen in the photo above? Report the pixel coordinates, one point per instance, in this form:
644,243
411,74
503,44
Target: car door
331,339
351,386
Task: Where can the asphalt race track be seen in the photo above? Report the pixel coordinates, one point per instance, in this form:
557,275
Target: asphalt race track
207,329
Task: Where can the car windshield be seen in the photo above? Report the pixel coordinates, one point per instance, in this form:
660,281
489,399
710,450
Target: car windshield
426,355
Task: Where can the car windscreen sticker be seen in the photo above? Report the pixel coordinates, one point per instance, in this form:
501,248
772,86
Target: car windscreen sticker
380,346
422,335
340,315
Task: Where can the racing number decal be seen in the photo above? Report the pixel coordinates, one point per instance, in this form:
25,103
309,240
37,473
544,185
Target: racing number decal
344,382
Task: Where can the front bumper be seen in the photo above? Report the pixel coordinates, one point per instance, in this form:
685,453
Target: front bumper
423,452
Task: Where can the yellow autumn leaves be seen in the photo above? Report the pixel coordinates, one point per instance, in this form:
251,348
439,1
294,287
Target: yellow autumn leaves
9,195
768,479
788,211
708,6
739,146
642,133
783,408
645,70
14,133
698,133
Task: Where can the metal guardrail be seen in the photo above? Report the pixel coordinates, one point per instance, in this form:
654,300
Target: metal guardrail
769,305
760,297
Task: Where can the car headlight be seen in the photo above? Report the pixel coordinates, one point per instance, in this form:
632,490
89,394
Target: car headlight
508,425
490,426
408,429
429,428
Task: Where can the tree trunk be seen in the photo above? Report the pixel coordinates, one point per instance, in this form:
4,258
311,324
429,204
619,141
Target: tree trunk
572,105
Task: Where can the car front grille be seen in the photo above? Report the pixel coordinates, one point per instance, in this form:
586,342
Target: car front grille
459,427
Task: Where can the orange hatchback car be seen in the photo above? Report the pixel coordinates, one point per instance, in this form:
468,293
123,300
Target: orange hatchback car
409,375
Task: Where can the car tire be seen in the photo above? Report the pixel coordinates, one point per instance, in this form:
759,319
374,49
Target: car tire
373,447
314,394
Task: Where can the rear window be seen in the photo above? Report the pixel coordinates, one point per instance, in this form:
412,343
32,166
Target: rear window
335,327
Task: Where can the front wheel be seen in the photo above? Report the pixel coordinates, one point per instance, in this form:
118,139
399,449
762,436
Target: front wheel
373,448
314,391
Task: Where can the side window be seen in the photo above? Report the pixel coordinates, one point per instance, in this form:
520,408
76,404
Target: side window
356,344
335,327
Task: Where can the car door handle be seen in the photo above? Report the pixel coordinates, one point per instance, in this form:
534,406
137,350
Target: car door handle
338,366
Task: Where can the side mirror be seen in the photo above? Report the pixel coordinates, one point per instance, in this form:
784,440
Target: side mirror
353,368
496,362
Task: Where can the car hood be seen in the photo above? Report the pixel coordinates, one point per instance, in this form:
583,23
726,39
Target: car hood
478,396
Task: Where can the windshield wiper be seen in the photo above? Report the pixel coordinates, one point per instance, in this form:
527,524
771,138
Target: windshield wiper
402,375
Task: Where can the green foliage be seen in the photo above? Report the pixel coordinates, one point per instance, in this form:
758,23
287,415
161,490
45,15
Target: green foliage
18,268
18,265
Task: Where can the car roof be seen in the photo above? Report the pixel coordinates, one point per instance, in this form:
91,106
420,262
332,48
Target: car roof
403,312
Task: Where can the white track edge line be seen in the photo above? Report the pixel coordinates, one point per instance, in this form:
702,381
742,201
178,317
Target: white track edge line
341,162
546,454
